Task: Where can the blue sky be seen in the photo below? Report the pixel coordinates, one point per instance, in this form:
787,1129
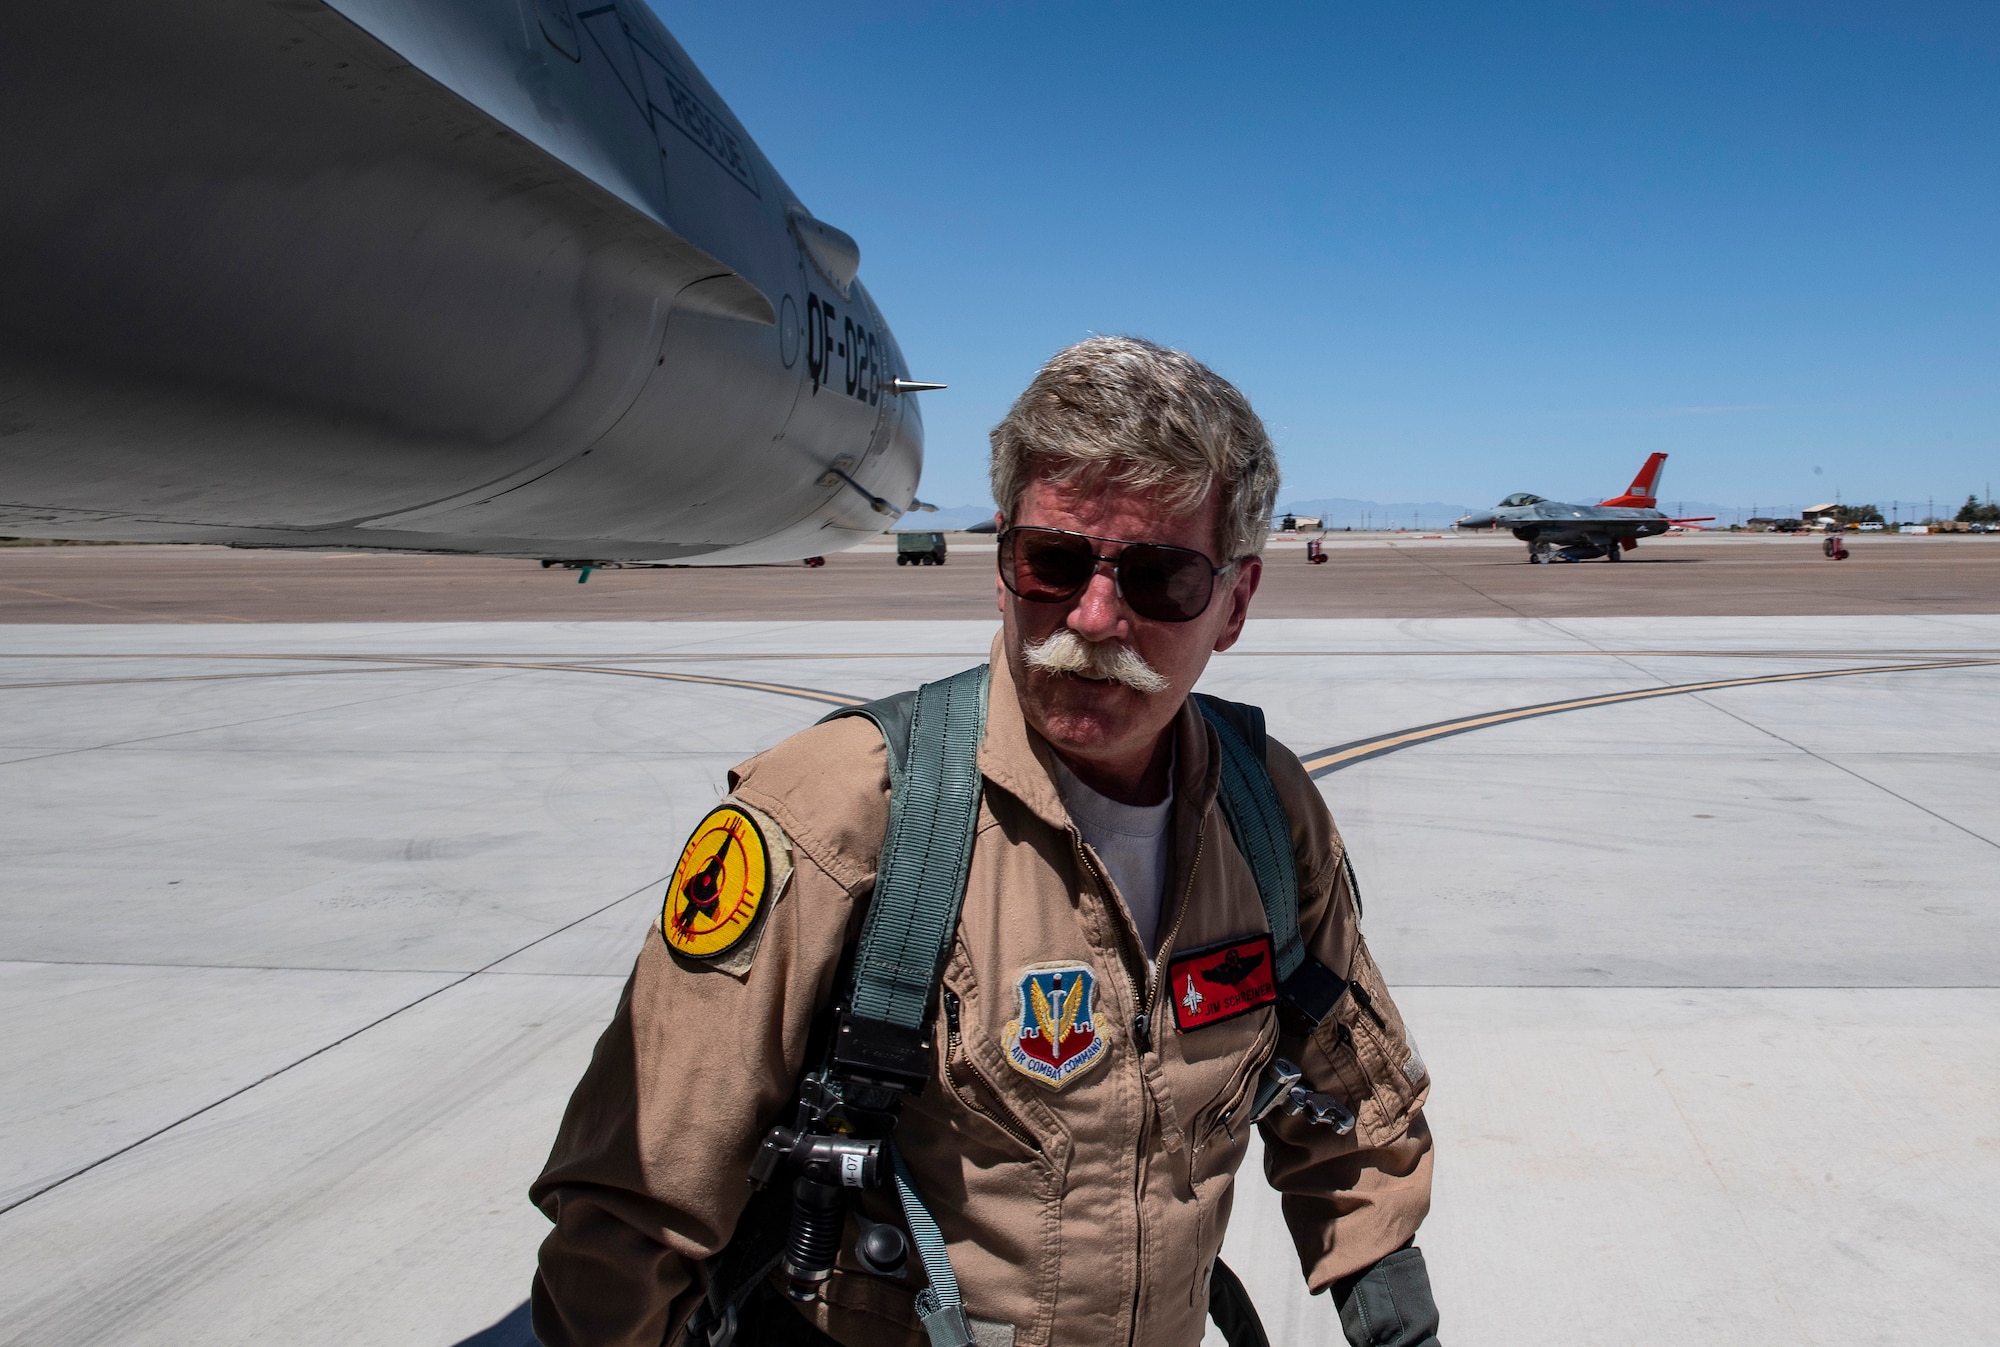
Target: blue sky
1449,250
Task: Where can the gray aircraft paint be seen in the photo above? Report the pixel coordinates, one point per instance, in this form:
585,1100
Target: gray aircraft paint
456,275
1598,530
1607,529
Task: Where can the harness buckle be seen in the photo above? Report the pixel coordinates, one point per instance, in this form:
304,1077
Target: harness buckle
1282,1087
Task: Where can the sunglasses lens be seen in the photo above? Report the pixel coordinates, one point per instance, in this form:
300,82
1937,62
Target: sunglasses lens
1165,584
1047,567
1161,583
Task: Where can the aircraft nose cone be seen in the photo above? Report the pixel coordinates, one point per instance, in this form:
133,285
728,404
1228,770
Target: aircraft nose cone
1478,519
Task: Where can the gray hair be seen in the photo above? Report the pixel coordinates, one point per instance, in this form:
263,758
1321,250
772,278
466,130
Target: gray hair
1124,411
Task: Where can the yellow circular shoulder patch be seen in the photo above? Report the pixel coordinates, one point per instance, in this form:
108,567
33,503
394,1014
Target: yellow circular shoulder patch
719,885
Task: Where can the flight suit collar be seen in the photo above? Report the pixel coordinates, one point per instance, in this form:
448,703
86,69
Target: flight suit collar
1019,761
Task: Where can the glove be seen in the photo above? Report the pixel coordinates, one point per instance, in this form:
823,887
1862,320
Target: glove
1390,1304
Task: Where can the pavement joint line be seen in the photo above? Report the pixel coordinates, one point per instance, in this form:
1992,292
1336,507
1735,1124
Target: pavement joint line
1842,767
417,663
226,725
1440,571
324,1048
1321,763
207,678
732,657
202,620
1329,760
226,967
1699,986
492,970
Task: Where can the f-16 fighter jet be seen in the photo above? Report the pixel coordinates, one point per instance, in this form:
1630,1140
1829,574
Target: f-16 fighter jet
1554,531
487,276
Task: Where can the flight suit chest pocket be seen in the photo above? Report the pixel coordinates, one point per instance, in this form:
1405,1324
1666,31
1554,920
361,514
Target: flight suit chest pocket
1222,1124
1372,1064
969,1084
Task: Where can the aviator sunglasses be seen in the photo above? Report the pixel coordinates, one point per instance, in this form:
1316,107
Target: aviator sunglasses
1158,582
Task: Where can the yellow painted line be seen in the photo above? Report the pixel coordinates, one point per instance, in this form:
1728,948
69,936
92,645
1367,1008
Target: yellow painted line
1329,760
1593,651
746,684
1322,763
205,678
408,663
757,656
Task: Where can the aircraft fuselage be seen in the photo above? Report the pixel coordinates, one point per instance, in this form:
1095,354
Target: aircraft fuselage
451,275
1591,530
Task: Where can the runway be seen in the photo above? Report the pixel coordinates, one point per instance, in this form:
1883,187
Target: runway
309,927
1366,576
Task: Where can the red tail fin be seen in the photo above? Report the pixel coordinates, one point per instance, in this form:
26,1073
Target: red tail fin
1644,493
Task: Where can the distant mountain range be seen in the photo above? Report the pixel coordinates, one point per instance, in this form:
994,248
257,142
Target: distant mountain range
945,517
1339,512
1342,512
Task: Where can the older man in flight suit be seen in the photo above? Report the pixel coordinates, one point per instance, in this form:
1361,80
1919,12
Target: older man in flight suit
1086,1115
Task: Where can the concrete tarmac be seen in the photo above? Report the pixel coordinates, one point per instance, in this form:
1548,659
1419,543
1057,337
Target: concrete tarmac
308,929
1365,576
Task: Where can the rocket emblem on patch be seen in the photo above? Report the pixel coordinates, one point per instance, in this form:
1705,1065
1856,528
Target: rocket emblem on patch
719,885
1055,1039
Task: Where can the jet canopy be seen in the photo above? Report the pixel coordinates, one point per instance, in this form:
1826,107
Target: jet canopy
1520,498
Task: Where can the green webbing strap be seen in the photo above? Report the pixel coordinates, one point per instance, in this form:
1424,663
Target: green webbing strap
939,1304
926,854
1257,819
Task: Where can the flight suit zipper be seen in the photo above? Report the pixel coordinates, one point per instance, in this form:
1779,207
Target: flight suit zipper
1147,999
955,1055
1143,996
1180,912
1367,1003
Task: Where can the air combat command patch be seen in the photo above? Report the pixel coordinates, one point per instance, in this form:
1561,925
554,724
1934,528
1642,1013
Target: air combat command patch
722,882
1219,983
1056,1039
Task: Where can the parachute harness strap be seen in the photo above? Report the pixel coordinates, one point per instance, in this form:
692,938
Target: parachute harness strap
939,1304
1257,820
926,855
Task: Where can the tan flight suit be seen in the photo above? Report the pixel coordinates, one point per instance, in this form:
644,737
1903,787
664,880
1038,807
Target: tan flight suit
1083,1213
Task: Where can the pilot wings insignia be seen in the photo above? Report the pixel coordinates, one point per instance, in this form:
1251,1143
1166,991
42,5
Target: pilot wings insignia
1234,968
1221,982
1055,1039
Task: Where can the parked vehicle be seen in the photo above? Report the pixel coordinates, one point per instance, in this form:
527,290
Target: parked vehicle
919,549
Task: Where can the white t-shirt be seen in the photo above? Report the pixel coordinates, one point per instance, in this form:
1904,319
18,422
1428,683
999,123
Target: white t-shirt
1131,840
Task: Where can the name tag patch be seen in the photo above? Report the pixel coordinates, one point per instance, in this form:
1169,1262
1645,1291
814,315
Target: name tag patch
1222,981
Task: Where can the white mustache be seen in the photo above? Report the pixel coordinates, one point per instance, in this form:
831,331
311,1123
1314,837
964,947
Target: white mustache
1067,653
